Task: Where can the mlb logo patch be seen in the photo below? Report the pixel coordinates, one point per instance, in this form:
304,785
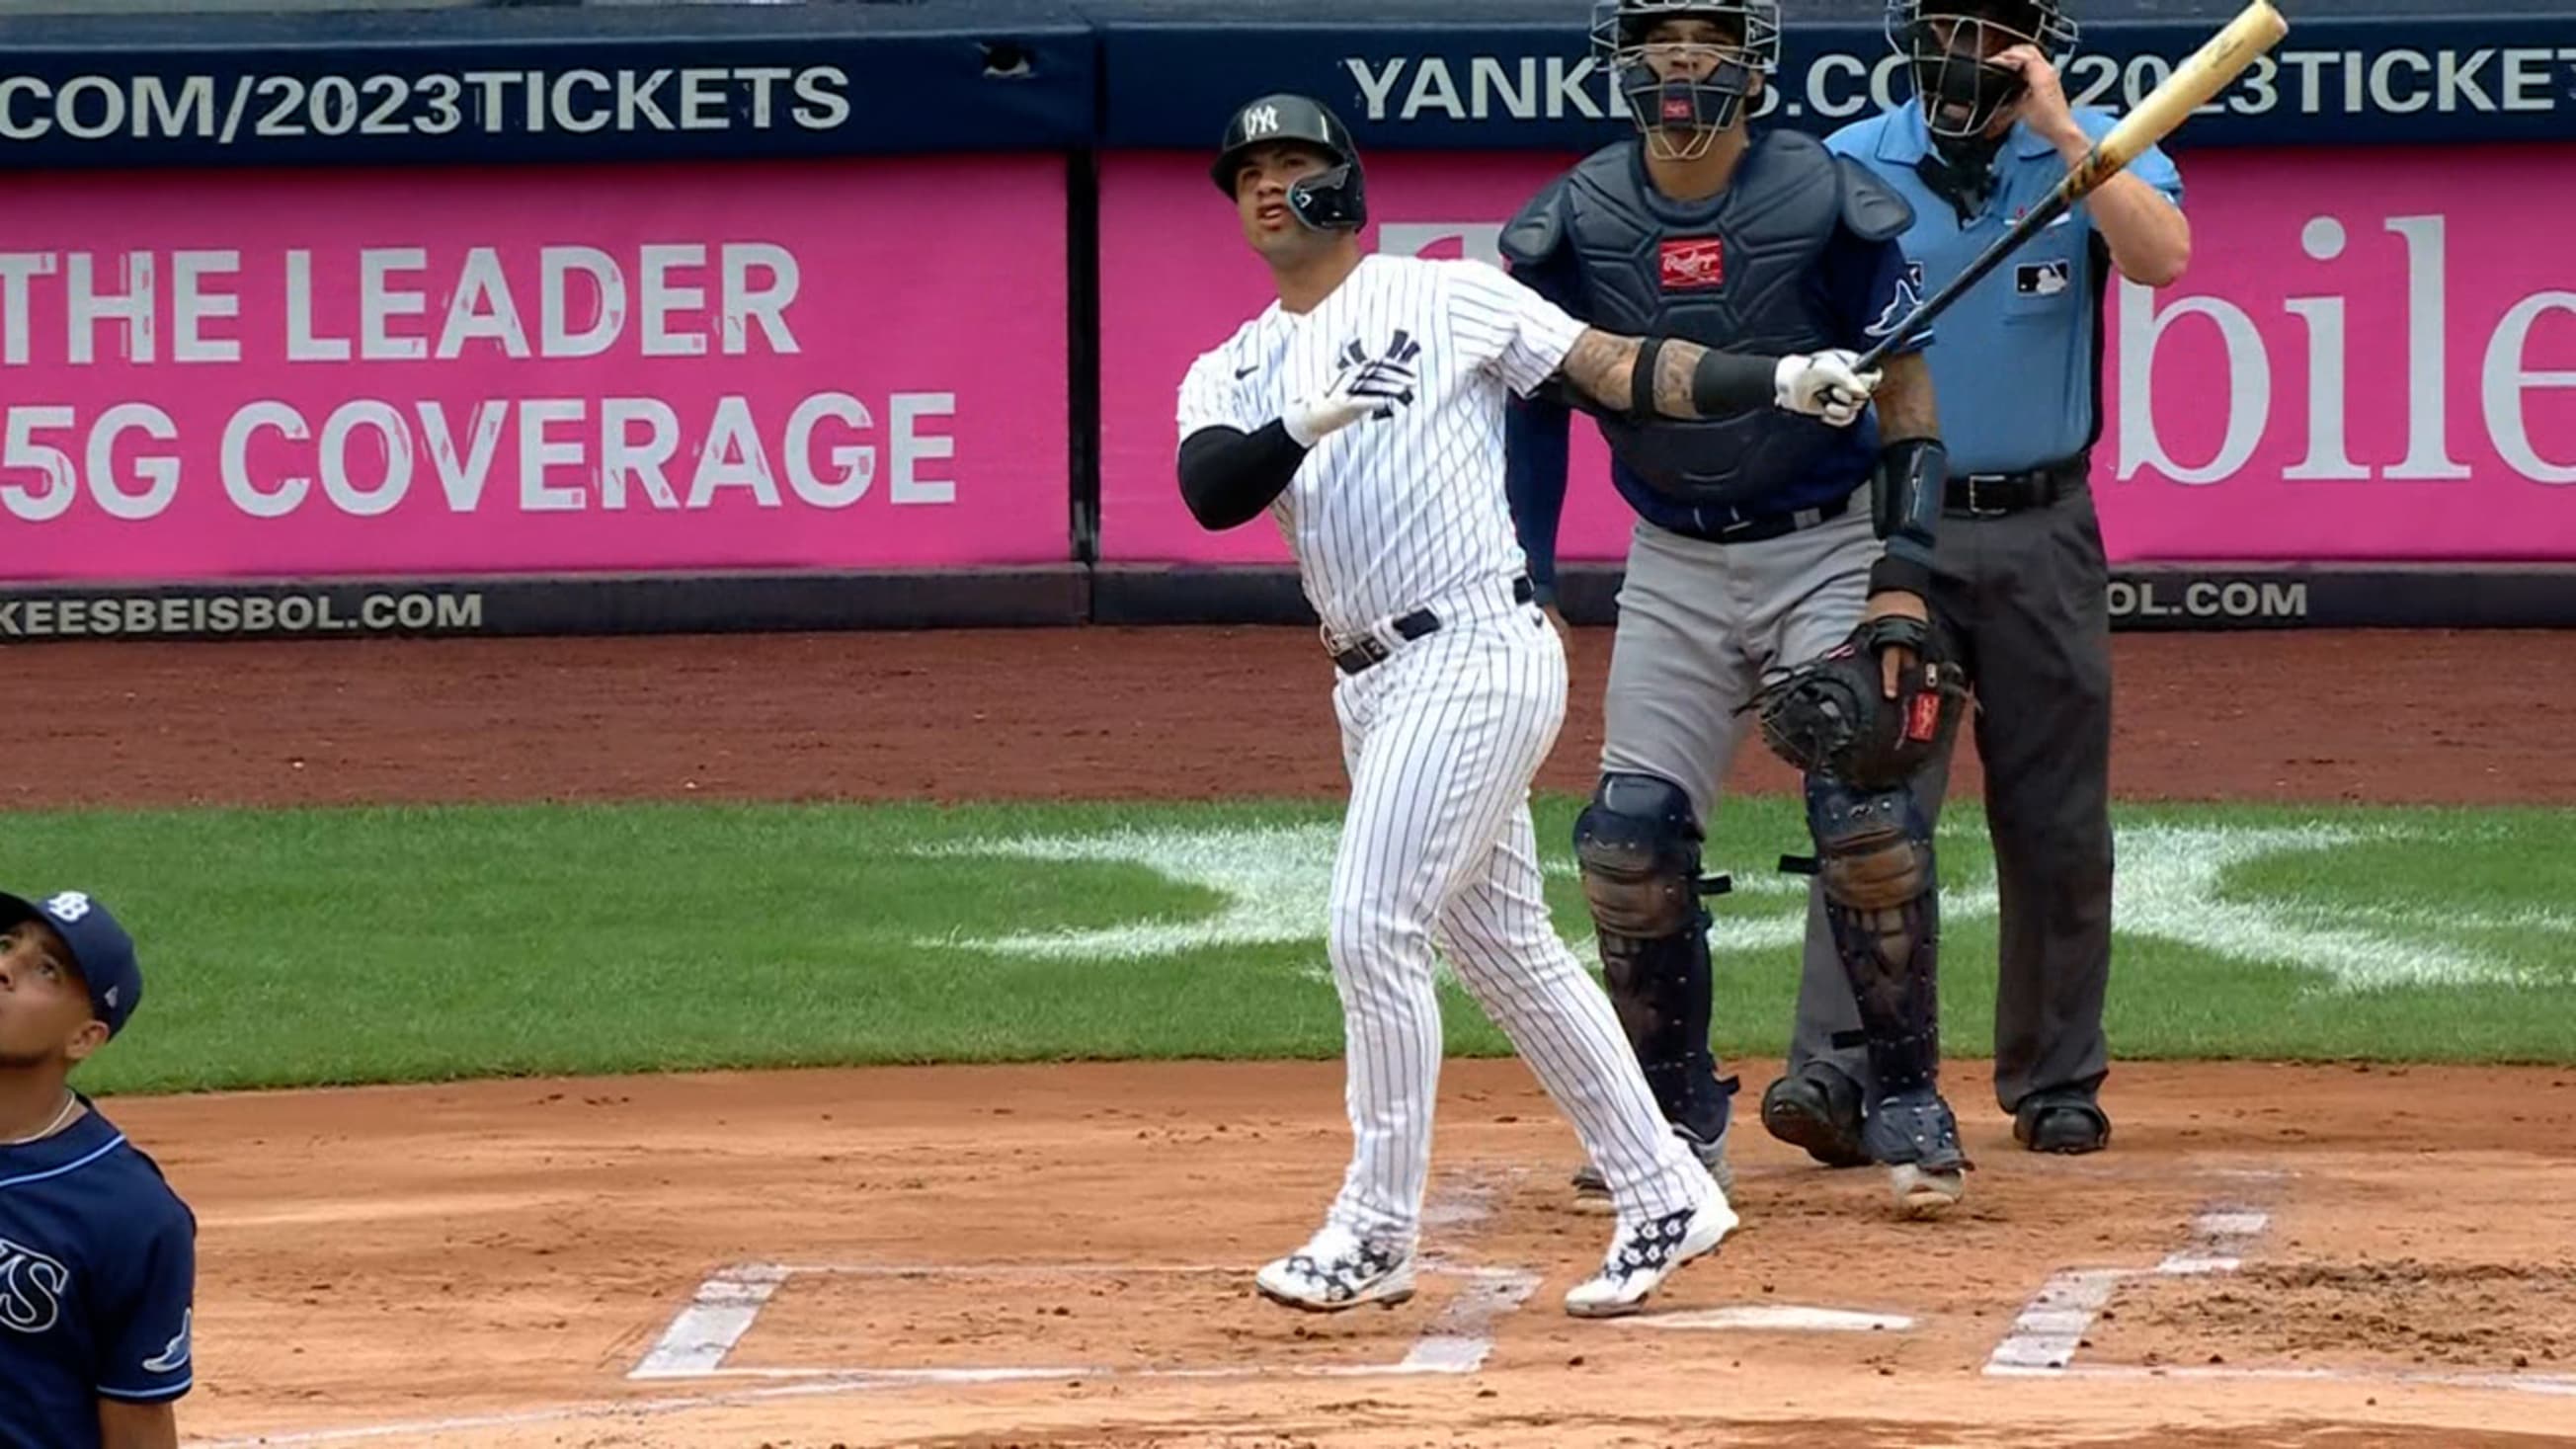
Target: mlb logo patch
2043,279
1694,263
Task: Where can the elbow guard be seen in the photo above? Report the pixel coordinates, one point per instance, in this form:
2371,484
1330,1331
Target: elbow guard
1905,507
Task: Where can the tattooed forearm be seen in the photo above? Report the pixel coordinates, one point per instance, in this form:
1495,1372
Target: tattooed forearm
1601,366
1604,366
1905,408
1673,368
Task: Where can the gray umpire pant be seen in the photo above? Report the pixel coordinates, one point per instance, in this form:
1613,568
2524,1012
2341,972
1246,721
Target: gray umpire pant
2022,596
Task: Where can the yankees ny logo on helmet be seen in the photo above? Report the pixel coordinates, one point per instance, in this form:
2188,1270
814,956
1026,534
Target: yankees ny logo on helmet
1333,199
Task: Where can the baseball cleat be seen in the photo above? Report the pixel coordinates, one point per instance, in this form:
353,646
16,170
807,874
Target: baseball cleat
1915,1134
1592,1190
1817,1109
1646,1253
2065,1119
1335,1270
1924,1193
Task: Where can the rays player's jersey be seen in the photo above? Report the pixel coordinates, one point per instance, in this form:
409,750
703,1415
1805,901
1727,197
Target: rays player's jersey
1389,514
97,1284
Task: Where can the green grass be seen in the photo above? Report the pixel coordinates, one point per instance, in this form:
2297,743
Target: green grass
332,946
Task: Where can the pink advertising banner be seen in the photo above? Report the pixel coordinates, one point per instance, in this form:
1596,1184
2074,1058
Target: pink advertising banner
533,369
2373,356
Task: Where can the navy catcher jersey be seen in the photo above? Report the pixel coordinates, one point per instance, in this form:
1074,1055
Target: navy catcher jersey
1854,289
98,1267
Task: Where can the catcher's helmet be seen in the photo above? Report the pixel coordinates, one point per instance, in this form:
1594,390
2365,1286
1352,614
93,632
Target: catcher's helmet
1333,199
1950,44
1682,116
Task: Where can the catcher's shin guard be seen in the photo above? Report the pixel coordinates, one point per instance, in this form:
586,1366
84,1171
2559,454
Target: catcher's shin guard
1874,859
1638,843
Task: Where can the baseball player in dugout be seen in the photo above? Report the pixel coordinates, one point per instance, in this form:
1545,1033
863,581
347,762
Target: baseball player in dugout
1778,565
1363,410
97,1254
2019,579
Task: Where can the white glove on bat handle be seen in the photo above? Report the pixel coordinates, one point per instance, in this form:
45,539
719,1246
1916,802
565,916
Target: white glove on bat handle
1823,385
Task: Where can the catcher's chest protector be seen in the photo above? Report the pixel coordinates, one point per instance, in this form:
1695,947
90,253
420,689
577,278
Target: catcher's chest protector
1735,271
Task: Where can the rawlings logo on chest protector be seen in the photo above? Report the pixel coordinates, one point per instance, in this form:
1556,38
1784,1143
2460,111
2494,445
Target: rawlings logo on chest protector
1694,263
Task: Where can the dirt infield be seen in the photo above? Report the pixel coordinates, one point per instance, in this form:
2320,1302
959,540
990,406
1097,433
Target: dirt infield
489,1264
1060,1256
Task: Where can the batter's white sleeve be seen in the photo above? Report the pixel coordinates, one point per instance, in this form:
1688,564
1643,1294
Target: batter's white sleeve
1504,325
1211,396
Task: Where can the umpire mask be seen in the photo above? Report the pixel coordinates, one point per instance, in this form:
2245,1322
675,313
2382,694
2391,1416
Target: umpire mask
1685,84
1951,46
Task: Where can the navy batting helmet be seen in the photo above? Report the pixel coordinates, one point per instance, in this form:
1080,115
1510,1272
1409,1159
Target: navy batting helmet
1328,200
1952,45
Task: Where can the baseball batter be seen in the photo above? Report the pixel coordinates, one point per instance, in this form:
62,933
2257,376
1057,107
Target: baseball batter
1363,410
1749,557
97,1254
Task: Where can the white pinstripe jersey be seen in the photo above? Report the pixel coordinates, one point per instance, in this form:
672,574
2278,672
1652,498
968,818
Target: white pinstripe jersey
1389,514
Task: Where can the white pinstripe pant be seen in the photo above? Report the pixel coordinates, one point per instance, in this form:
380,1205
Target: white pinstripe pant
1441,741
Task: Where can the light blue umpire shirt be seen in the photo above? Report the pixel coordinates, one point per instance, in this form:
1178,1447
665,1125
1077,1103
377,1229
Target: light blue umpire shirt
2017,371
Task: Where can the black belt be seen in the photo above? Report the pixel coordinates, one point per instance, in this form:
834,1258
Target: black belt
1770,525
1372,650
1993,495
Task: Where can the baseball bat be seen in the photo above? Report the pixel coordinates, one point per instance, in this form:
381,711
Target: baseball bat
2208,70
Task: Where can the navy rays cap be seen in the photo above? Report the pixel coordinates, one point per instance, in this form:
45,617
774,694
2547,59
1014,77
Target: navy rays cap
100,947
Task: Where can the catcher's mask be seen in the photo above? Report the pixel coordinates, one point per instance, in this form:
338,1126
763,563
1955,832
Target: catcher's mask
1951,45
1682,94
1333,199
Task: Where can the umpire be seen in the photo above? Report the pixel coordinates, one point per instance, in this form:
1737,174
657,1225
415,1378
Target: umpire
2018,572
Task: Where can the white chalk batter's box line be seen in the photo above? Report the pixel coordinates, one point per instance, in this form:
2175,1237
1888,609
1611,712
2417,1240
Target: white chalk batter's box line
2046,1337
705,1333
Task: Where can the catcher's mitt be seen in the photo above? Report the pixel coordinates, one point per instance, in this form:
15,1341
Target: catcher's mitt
1829,717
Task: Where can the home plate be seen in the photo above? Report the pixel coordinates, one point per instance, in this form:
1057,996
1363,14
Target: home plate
1784,1317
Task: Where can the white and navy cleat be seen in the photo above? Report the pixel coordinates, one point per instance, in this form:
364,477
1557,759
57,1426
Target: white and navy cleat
1336,1270
1645,1254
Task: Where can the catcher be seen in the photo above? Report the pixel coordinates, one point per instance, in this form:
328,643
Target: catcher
1762,541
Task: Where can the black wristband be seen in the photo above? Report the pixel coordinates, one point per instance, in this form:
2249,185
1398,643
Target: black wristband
1641,380
1731,382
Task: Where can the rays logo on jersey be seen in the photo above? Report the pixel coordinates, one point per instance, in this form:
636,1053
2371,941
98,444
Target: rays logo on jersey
31,1288
1909,295
174,1355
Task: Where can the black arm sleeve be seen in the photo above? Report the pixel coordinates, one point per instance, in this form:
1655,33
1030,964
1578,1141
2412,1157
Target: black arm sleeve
1731,382
1228,477
1721,382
